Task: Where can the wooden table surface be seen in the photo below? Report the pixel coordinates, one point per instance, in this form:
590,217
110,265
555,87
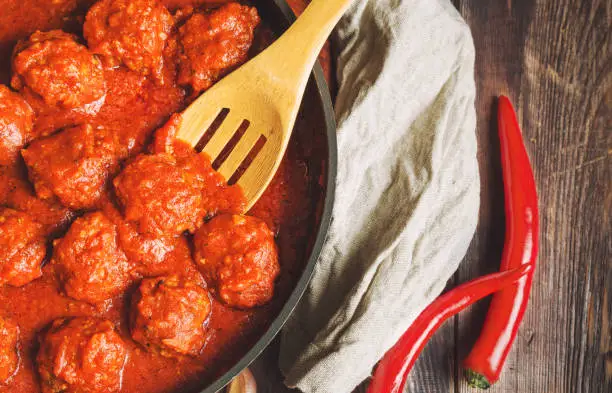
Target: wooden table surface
554,59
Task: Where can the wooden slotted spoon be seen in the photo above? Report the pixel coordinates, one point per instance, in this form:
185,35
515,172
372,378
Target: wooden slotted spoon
263,95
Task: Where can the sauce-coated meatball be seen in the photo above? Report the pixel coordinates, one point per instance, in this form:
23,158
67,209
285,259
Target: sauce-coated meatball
62,72
238,256
161,195
133,32
146,251
217,195
16,119
151,255
81,355
169,314
16,192
88,261
9,350
22,248
211,45
72,165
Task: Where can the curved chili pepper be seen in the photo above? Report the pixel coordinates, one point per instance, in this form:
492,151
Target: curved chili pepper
391,373
485,361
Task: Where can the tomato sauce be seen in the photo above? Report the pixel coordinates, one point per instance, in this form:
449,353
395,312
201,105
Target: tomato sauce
135,106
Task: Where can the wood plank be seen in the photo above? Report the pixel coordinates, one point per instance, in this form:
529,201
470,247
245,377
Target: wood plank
498,33
554,60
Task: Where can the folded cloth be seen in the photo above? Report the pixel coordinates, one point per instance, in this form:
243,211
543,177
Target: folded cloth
407,190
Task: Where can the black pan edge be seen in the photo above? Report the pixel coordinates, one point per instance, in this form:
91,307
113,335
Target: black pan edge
296,295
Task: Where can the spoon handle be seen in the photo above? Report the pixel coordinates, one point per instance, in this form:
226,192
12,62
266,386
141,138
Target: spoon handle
294,54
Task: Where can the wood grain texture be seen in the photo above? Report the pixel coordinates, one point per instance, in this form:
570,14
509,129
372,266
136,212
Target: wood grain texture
298,6
553,58
499,31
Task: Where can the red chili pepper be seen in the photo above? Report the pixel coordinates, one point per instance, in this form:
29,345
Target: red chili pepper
391,373
485,361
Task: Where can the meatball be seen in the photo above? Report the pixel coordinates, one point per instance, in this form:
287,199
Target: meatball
16,120
169,314
9,350
132,32
88,261
151,255
22,248
238,256
54,67
81,355
72,165
161,195
146,249
211,45
16,192
217,195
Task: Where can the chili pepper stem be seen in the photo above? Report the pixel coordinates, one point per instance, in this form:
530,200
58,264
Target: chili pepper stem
476,380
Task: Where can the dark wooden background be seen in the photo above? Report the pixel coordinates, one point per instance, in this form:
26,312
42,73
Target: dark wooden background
553,58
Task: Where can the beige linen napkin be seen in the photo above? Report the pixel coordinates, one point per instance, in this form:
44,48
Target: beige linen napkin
407,189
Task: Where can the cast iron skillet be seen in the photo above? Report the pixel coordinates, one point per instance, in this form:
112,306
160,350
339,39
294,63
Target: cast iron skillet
278,14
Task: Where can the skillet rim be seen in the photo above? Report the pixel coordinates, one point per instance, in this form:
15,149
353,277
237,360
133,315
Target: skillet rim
264,341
